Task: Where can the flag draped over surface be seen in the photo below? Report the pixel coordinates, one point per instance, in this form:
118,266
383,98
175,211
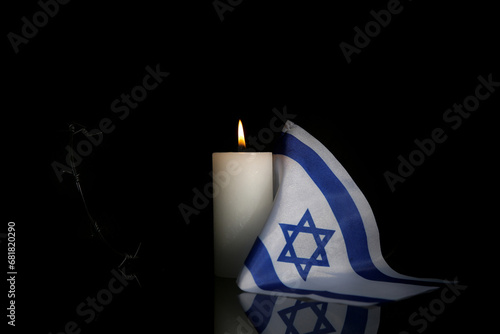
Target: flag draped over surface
277,315
321,240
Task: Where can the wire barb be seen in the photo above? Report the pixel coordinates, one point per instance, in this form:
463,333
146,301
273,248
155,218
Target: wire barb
123,271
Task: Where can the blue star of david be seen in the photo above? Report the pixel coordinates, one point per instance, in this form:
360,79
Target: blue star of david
322,326
321,237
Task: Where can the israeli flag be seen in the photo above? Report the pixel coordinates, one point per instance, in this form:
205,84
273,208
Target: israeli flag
280,315
321,240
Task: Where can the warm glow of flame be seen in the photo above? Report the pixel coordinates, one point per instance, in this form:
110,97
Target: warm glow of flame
241,136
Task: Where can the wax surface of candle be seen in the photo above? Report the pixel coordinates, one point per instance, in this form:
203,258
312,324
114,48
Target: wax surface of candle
243,197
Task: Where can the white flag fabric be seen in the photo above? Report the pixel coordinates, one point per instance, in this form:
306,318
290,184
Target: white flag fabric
321,240
280,315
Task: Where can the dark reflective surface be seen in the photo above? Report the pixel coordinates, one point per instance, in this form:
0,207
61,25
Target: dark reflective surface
271,314
240,312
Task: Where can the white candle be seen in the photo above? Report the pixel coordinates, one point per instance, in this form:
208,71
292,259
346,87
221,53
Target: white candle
243,197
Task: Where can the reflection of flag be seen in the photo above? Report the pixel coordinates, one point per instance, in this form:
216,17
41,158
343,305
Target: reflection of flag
321,239
270,314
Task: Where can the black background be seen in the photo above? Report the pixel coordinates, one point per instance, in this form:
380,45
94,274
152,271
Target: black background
438,223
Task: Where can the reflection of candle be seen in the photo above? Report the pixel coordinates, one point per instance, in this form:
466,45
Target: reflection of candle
242,202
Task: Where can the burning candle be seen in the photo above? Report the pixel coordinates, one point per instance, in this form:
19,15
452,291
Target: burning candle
242,204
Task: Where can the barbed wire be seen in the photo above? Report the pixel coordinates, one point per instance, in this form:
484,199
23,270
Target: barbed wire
95,228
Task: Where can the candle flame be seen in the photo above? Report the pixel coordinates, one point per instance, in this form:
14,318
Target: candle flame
241,136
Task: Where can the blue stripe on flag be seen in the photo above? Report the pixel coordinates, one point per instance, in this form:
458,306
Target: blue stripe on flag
261,266
343,207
